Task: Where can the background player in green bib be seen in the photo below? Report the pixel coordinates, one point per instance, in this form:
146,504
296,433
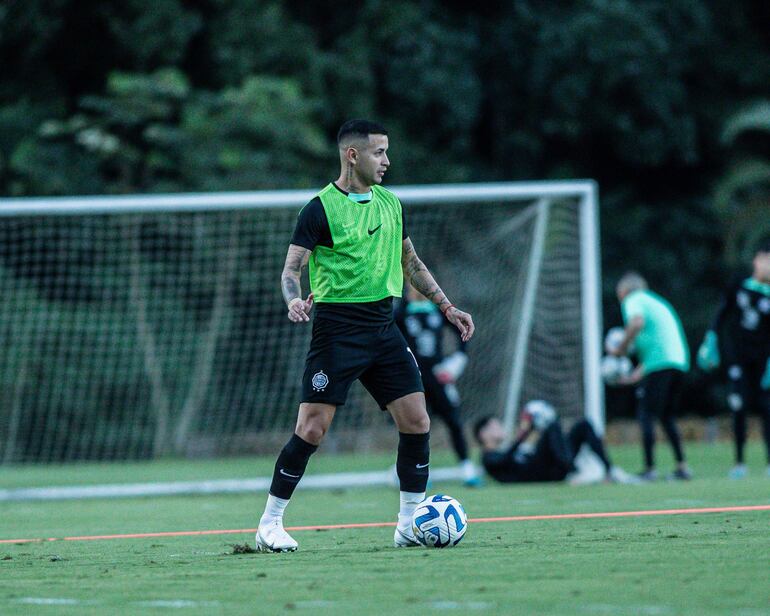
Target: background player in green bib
741,331
353,237
653,327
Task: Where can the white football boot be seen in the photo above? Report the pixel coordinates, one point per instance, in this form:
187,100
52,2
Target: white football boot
271,537
404,538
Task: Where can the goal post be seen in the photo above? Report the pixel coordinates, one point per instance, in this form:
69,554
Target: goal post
146,325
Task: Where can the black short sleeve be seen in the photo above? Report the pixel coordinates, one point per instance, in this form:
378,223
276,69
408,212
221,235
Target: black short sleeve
312,228
404,233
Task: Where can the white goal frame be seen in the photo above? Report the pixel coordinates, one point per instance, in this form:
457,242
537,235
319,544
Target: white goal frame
585,192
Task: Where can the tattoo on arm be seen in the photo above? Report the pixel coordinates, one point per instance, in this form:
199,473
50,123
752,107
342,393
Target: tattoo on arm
296,258
419,276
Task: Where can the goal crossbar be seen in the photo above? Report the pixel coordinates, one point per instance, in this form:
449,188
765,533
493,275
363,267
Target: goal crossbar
208,202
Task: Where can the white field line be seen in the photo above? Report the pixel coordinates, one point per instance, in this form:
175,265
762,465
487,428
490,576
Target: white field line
215,486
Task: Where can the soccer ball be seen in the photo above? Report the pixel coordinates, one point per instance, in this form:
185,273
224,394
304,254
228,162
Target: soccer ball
614,368
614,338
439,522
540,412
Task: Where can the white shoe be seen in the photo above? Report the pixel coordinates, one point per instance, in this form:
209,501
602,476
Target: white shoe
404,538
271,537
618,475
393,478
471,475
739,471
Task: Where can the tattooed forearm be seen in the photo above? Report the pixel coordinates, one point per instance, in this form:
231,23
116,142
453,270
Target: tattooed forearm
292,268
420,278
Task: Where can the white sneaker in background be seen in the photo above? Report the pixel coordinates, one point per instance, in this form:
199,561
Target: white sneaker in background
739,471
618,475
471,475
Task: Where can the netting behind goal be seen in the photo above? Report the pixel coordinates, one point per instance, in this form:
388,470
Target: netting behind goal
147,333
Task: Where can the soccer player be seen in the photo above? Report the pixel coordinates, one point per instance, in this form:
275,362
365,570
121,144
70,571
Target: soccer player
742,330
353,236
551,457
422,324
653,326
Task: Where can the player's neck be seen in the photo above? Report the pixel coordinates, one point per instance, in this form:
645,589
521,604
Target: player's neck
352,184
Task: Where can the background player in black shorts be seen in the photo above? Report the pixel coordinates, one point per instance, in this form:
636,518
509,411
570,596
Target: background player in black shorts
354,241
740,341
424,327
540,450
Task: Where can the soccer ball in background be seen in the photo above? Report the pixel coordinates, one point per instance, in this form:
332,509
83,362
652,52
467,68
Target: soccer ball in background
540,413
439,522
613,369
612,340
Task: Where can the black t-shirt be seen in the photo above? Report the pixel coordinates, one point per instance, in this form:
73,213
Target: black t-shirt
509,465
743,322
312,229
424,333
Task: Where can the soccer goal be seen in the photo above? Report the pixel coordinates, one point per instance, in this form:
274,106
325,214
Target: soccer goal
140,326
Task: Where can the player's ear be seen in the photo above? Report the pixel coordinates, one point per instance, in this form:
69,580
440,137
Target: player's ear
351,155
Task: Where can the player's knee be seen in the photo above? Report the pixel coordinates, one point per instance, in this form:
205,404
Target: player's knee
311,430
420,424
582,428
414,424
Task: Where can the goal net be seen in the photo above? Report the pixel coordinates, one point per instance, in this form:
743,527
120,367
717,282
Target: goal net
135,327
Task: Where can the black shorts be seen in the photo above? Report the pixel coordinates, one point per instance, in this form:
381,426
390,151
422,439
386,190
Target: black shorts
659,392
340,353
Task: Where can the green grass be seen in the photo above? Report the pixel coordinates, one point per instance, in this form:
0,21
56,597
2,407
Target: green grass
685,564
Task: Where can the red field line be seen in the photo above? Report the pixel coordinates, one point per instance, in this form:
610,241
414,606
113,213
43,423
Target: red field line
515,518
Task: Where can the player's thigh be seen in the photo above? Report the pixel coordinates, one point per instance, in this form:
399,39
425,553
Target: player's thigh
394,373
313,421
674,393
410,414
652,394
339,353
742,393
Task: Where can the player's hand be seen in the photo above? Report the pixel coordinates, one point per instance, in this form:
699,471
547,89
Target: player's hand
633,378
708,353
299,309
462,321
450,369
765,381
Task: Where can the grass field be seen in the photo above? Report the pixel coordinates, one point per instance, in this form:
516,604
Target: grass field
706,563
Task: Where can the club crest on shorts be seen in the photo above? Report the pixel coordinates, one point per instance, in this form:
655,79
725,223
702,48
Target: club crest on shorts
319,381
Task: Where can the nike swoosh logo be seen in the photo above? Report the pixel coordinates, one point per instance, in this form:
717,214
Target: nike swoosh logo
285,474
422,465
373,231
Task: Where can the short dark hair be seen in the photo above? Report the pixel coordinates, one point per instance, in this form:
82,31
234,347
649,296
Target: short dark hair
359,128
480,425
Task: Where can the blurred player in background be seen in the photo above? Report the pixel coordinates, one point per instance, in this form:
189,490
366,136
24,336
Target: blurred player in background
353,237
540,450
423,326
653,327
741,330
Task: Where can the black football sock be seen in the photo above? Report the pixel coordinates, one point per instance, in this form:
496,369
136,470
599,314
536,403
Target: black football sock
290,466
739,433
412,461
